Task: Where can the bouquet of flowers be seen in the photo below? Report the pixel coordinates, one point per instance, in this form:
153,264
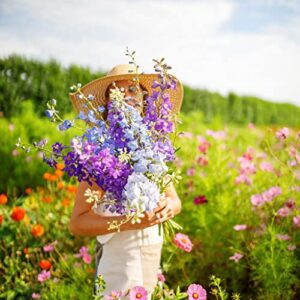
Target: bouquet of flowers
124,151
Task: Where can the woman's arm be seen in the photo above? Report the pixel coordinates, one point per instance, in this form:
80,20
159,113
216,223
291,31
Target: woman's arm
84,222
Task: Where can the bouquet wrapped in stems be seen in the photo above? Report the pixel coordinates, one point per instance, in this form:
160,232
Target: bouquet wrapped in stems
125,151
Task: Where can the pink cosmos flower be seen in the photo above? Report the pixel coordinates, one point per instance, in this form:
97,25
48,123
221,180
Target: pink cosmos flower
114,295
283,237
243,178
15,152
44,275
218,135
87,258
240,227
290,203
236,257
50,247
247,166
138,292
83,252
183,242
296,221
190,172
35,296
291,247
292,151
251,125
201,199
202,161
161,277
283,212
196,291
11,127
283,133
266,166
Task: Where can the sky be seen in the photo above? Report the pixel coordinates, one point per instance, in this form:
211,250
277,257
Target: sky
248,47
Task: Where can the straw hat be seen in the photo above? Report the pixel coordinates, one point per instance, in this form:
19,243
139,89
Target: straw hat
99,86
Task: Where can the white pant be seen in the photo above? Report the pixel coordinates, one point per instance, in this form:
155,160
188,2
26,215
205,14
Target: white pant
131,258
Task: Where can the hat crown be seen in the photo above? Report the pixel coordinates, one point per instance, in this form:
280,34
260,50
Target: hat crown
121,69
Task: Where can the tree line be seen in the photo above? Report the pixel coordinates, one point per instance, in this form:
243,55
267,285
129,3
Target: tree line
22,78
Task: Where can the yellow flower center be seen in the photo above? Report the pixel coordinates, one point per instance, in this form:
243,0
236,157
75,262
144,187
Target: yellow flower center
138,295
195,295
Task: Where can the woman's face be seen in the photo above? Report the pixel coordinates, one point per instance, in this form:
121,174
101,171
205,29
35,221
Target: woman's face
133,96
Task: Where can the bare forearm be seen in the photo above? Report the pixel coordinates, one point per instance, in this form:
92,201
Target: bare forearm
91,224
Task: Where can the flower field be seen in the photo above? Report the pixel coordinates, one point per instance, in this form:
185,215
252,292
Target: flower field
240,195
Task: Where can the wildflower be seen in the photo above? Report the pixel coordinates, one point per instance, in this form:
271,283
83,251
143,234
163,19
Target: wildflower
35,296
283,237
240,227
3,199
161,277
45,264
37,230
18,213
291,247
114,295
28,191
283,212
196,291
83,252
265,166
190,172
183,242
296,221
44,275
283,133
138,292
1,219
50,247
236,257
201,199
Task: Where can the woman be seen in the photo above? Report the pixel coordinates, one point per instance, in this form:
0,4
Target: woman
130,257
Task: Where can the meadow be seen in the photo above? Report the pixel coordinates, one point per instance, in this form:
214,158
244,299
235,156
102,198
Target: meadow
240,215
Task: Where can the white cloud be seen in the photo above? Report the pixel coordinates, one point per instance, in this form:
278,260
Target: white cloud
189,34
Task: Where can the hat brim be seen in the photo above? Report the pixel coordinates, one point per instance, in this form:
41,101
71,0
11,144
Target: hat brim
99,86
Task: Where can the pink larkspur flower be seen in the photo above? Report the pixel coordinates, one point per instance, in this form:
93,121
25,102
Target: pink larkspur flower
283,133
240,227
196,291
35,296
183,242
161,277
236,257
44,275
138,292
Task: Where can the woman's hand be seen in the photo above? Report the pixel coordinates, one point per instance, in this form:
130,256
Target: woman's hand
161,213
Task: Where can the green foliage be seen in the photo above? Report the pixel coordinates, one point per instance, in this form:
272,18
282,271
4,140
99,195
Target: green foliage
22,79
19,170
